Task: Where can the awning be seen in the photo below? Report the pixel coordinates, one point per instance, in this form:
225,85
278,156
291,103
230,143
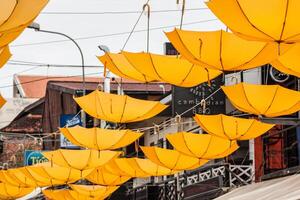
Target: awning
280,188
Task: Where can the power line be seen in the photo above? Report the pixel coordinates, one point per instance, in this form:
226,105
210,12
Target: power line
51,65
116,12
110,35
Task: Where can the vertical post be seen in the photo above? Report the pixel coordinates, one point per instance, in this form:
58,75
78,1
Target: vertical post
178,186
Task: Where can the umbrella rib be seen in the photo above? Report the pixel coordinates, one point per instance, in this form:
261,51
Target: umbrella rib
152,63
284,21
62,155
207,148
252,123
220,51
141,117
100,104
222,125
114,146
187,145
189,72
124,107
273,99
145,77
243,89
122,73
191,54
32,177
251,24
254,57
204,127
79,143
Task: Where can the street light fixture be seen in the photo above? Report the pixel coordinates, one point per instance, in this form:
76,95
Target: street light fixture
36,27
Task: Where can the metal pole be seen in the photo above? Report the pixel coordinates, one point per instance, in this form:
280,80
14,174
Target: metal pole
35,26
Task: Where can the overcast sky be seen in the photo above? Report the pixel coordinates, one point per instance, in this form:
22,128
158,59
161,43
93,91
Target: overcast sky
92,30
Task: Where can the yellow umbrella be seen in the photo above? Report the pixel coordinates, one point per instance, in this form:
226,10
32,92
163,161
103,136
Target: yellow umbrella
219,50
2,101
4,55
19,13
101,176
94,190
9,36
8,191
100,139
118,108
136,167
147,67
47,174
172,159
268,100
58,194
267,20
17,178
232,128
80,159
202,146
289,62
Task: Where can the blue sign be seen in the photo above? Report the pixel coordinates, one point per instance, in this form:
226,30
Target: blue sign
33,157
68,121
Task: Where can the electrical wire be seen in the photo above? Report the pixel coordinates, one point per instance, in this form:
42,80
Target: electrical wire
116,12
110,35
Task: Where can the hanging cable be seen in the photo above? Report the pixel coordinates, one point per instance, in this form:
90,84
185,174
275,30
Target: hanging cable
182,12
147,6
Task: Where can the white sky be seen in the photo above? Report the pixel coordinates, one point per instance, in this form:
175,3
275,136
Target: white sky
78,26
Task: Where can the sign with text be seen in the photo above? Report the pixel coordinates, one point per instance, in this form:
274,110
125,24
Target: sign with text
68,121
186,98
32,157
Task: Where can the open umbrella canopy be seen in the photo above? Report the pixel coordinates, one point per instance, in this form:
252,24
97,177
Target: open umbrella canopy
267,20
289,62
47,174
172,159
100,139
17,178
8,191
80,159
219,50
118,108
267,100
58,194
232,128
9,36
94,190
101,176
147,67
202,146
14,14
4,55
137,167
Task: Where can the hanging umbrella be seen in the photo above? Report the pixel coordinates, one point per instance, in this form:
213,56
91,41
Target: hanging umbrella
136,167
58,194
2,101
289,62
232,128
80,159
202,146
267,20
8,191
219,50
94,190
100,139
172,159
4,55
267,100
141,66
9,36
101,176
118,108
17,178
47,174
15,14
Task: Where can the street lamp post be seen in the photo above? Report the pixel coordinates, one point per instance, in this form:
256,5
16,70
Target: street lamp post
36,27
